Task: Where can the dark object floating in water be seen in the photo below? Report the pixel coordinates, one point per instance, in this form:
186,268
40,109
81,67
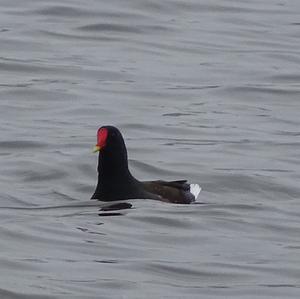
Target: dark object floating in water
110,214
115,181
117,206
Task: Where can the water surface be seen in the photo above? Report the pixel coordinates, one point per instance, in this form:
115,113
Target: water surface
207,91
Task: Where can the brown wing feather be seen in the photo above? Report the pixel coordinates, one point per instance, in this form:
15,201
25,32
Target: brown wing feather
174,191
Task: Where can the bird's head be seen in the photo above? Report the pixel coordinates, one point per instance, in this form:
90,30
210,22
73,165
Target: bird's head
108,138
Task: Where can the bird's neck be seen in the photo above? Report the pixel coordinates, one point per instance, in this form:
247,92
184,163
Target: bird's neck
113,167
114,176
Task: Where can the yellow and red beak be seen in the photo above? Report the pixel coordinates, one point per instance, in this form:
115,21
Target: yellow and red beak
96,148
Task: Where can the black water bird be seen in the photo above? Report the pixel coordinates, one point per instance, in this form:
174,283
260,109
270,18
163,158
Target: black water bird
115,182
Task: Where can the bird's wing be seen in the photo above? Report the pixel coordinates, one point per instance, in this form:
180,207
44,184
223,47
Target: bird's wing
173,191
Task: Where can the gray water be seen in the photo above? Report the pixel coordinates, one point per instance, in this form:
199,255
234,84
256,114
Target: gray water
203,90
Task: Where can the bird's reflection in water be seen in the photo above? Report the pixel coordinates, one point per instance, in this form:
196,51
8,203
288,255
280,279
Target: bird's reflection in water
108,210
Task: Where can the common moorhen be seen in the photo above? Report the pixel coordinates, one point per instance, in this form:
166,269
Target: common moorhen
115,182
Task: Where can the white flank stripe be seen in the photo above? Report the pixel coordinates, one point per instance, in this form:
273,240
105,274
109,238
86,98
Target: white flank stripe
195,190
